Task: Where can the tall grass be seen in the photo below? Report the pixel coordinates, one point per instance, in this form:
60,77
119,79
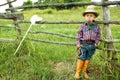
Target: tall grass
43,61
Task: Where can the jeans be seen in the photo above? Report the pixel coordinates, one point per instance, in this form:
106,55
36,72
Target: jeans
86,51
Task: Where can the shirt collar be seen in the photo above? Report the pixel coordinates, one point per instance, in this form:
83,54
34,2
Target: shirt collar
93,23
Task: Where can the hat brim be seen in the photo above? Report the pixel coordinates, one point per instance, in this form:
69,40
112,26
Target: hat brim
95,13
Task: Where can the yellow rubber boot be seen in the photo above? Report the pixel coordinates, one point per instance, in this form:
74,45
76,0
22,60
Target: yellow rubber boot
79,67
86,76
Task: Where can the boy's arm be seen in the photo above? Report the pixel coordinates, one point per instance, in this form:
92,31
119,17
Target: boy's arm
97,37
79,36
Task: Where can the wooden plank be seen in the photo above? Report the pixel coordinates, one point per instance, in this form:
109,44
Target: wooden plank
5,40
11,16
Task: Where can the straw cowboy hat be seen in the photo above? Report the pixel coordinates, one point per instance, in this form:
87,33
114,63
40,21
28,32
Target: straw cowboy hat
90,9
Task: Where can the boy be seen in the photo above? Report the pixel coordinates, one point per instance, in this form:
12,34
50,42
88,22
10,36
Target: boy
88,36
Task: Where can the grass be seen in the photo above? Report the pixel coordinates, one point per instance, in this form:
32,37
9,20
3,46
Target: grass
43,61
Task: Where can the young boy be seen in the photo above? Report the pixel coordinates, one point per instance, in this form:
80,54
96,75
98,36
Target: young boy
88,36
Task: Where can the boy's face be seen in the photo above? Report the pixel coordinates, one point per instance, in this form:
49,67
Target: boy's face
89,17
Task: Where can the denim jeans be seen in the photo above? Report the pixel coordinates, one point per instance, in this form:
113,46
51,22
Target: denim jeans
86,51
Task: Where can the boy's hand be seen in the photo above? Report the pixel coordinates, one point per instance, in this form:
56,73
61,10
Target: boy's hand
96,44
78,46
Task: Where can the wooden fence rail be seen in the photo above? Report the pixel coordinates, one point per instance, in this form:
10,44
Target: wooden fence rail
107,3
65,43
68,22
7,3
6,26
60,34
11,16
5,40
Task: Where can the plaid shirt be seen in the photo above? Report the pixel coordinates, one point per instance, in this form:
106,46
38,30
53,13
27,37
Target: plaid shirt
84,33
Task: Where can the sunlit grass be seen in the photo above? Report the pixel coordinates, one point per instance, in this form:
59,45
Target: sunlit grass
44,61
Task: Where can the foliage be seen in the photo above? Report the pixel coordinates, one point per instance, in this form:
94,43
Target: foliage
43,61
28,2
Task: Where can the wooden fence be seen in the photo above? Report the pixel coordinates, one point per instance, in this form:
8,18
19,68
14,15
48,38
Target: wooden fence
108,49
18,18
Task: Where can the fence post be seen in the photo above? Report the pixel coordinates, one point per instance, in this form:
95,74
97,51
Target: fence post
15,19
10,5
109,55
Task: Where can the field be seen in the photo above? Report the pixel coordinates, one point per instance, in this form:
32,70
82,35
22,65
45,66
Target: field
44,61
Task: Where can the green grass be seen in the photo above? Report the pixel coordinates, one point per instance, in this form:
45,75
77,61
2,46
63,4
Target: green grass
44,61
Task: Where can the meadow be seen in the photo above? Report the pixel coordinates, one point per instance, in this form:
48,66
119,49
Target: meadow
44,61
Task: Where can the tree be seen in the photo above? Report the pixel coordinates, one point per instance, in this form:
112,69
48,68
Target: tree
28,2
55,1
